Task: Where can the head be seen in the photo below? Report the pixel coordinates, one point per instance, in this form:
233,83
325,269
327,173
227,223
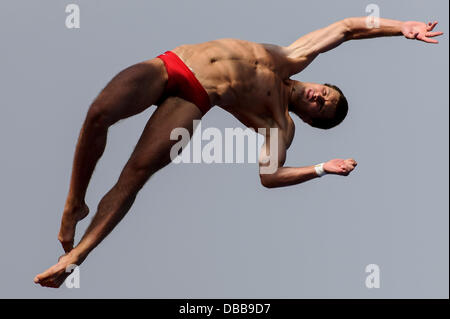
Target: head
320,105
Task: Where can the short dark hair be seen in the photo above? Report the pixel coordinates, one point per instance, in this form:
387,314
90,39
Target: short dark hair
339,115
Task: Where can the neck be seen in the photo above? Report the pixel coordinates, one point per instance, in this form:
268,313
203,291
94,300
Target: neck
296,104
296,91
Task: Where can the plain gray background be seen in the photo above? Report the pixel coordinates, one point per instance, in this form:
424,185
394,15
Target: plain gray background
212,231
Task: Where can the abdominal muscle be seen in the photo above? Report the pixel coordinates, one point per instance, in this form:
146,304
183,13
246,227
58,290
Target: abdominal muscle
240,77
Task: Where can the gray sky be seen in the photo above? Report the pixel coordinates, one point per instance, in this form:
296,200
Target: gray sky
212,231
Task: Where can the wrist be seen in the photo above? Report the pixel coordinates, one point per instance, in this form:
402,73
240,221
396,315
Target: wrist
401,27
394,27
320,170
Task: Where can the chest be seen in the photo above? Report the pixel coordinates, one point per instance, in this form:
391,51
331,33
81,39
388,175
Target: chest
260,87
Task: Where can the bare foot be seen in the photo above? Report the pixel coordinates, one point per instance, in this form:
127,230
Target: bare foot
55,275
71,216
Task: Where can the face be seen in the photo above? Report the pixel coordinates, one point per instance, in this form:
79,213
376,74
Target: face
314,100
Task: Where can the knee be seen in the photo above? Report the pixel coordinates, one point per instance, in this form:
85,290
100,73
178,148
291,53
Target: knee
137,173
134,177
98,116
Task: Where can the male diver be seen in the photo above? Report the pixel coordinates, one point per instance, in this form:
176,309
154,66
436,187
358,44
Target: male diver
249,80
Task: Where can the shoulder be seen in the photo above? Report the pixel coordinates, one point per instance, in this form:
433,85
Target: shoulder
279,57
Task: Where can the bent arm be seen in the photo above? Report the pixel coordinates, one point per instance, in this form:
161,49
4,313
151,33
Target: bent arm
304,50
271,160
273,174
287,176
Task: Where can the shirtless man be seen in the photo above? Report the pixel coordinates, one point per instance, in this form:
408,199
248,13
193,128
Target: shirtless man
249,80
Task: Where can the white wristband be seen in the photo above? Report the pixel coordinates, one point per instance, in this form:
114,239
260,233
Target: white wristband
319,169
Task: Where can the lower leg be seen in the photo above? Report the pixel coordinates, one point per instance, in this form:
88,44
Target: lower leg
90,147
111,209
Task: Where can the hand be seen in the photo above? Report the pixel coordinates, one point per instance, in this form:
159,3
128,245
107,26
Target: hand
340,166
420,31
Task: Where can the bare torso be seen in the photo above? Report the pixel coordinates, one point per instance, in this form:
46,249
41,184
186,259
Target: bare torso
246,79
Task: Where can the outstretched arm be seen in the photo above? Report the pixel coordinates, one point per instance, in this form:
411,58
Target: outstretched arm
273,174
304,50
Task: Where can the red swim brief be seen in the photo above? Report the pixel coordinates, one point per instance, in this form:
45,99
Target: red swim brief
183,83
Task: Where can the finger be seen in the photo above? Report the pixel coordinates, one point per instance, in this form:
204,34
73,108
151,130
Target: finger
425,39
352,163
433,34
431,40
431,25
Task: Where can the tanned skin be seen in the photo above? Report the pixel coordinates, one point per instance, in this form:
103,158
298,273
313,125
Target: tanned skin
249,80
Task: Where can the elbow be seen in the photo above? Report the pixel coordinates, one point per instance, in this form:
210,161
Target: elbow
266,181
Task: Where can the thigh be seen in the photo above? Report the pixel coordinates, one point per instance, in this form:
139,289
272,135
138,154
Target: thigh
132,90
152,151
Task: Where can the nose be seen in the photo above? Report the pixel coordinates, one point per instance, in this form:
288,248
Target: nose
318,97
